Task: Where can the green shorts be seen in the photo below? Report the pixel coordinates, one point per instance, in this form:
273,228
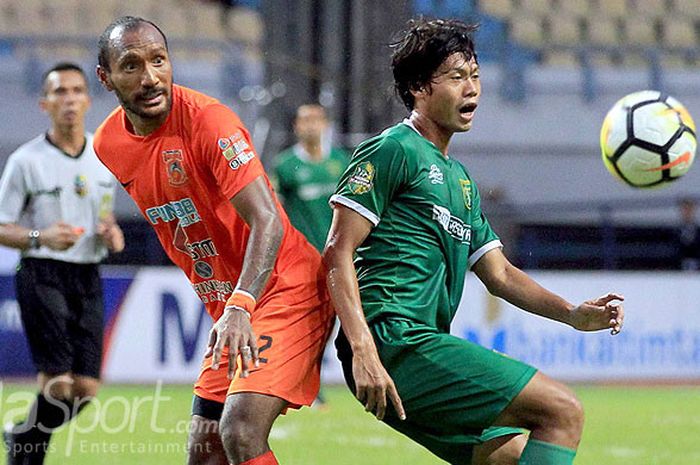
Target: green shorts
452,389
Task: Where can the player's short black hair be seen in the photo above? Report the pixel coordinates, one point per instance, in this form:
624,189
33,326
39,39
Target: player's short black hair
128,23
422,48
61,66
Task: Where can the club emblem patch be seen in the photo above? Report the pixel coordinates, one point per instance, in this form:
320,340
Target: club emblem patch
80,185
362,180
174,167
466,185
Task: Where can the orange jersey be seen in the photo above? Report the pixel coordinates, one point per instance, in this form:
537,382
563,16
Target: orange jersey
182,176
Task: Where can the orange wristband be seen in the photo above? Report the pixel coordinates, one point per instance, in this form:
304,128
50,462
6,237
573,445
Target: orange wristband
242,301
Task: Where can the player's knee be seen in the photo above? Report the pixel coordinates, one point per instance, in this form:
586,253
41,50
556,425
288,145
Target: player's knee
568,411
204,444
85,389
238,437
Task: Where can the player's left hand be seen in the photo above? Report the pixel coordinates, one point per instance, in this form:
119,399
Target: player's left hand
605,312
111,234
233,330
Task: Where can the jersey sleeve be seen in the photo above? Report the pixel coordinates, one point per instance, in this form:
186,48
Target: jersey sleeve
13,192
484,238
224,145
376,173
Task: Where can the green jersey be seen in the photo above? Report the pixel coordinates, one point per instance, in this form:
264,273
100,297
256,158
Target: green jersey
305,187
428,226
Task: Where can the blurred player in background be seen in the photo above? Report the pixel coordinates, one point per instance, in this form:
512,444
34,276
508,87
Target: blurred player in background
56,207
409,216
188,162
688,236
307,173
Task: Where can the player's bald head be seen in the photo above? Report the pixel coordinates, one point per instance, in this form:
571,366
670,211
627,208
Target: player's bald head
113,36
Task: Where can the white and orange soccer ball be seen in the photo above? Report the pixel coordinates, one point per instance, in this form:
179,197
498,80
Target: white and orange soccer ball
648,139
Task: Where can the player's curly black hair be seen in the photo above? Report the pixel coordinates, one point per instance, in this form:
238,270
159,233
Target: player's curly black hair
422,47
128,23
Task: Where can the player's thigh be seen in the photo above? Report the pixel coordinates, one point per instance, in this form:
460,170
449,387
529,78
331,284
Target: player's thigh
290,354
45,315
447,381
86,328
542,401
249,413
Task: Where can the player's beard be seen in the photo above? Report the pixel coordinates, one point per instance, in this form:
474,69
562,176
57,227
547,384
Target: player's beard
133,108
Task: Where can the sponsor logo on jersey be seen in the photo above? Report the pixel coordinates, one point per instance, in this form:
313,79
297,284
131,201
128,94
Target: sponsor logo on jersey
203,269
435,175
55,192
173,166
241,160
224,143
213,290
80,185
454,226
236,150
201,249
362,180
182,210
466,186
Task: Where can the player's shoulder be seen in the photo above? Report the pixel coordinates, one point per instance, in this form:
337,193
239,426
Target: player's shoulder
108,129
200,108
30,151
286,158
389,143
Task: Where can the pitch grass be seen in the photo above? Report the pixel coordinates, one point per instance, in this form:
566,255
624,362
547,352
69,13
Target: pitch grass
624,426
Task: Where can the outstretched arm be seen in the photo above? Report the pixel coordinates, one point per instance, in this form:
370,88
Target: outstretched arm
256,205
505,280
373,383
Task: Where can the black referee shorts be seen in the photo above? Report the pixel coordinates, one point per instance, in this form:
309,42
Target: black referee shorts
62,312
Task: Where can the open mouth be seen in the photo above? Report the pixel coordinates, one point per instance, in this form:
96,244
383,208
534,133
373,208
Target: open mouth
467,109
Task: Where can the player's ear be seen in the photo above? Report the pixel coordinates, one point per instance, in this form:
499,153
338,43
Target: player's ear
103,78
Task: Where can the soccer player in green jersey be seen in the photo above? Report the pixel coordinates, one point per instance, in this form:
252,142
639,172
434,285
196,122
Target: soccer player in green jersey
407,225
307,173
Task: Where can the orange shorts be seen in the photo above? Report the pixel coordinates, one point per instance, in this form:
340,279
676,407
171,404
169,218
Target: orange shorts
291,342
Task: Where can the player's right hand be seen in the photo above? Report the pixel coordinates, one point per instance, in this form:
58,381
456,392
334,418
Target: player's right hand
60,236
233,330
373,384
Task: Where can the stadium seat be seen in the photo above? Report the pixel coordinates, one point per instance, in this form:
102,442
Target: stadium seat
527,30
651,8
575,8
560,58
687,8
534,7
677,31
640,30
498,8
610,9
564,29
603,32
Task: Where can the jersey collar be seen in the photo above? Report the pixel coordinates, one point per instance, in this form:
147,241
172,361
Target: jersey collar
80,154
410,124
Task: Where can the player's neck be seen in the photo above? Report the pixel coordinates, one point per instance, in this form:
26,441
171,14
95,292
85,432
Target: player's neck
70,139
315,150
431,131
144,126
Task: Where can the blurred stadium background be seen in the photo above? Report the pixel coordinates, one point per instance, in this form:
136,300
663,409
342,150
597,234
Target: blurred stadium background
550,71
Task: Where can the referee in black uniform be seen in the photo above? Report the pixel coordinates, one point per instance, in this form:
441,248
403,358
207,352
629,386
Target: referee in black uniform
56,207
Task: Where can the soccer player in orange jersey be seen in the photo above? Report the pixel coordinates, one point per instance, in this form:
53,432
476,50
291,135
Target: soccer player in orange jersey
189,164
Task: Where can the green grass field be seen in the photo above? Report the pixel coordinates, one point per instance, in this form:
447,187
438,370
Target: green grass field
624,426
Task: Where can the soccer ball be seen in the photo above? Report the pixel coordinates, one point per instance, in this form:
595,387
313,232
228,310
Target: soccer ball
648,139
